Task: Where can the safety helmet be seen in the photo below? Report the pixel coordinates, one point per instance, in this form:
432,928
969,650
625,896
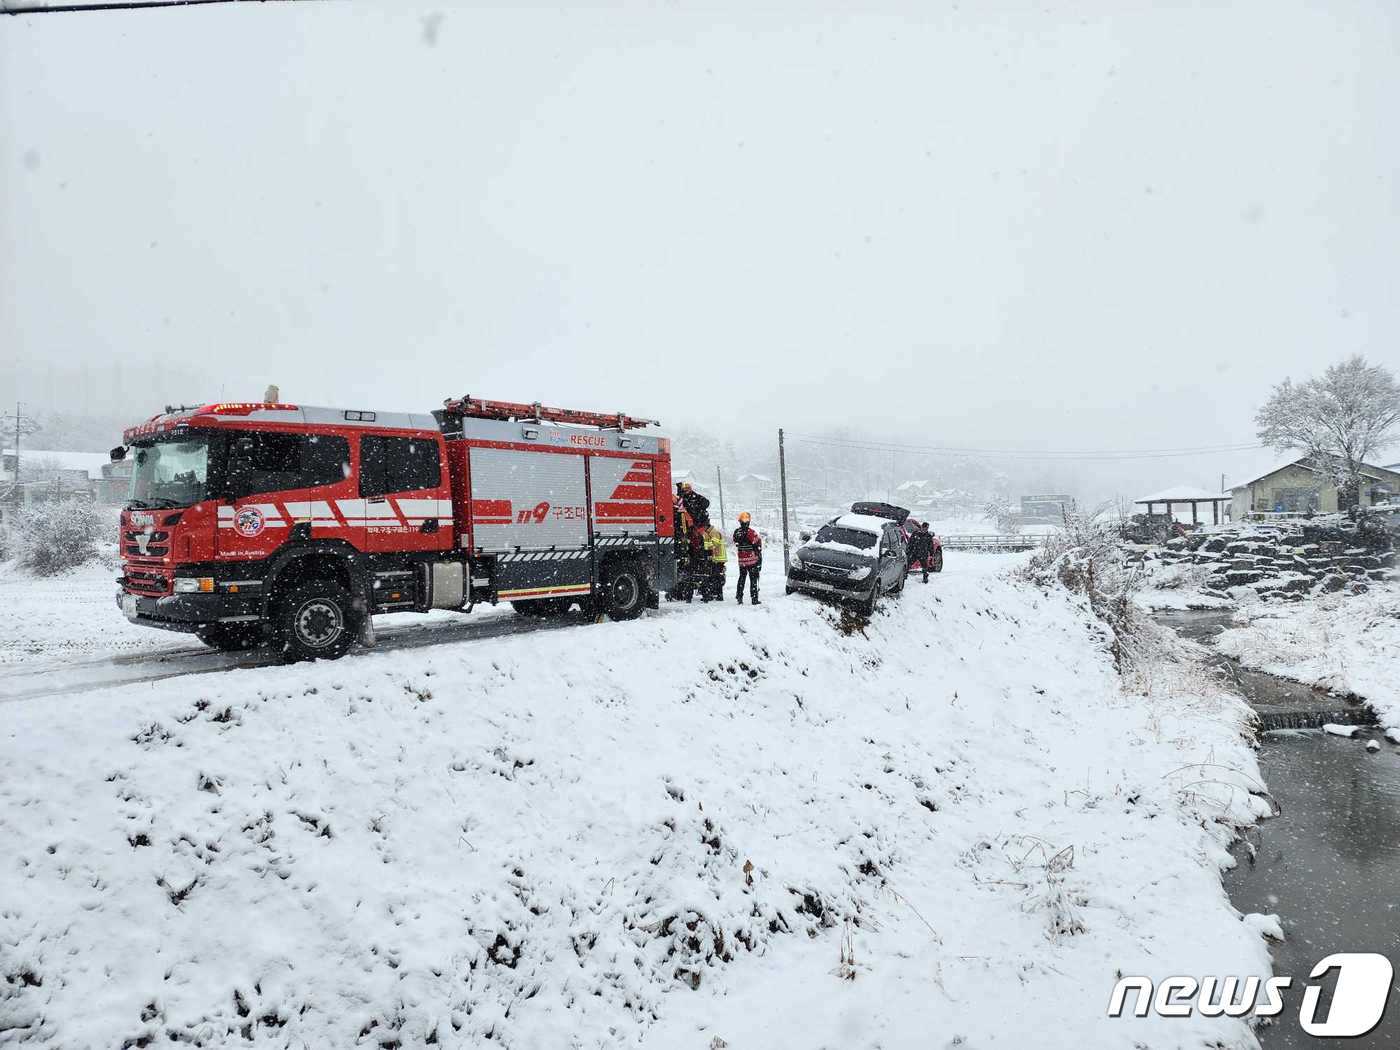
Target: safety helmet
743,517
685,486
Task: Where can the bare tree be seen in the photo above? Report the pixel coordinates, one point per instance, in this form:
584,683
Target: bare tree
1339,419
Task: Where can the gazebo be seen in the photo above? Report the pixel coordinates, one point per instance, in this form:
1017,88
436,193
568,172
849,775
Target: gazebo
1186,494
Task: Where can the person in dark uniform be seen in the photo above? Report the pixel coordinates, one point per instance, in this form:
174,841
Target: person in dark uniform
749,546
696,505
681,523
921,547
699,563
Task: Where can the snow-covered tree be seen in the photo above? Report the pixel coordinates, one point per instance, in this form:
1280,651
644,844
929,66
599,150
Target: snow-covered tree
1339,419
1008,519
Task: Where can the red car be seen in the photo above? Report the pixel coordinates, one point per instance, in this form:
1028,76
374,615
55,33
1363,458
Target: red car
935,563
901,515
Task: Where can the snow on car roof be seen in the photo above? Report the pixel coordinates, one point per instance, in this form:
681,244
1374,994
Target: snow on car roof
863,522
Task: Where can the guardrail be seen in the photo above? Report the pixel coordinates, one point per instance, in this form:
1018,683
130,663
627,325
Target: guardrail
989,541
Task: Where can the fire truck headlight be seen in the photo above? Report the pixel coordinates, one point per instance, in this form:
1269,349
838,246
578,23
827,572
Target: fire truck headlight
194,584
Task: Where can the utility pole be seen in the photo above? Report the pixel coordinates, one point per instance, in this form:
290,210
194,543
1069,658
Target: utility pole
782,481
719,481
23,425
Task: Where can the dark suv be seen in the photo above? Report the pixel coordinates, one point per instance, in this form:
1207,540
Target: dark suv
855,558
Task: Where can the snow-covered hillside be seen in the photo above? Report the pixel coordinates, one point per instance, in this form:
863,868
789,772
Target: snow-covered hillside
712,826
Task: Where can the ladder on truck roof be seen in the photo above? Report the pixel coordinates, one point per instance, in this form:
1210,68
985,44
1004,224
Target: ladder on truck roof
479,408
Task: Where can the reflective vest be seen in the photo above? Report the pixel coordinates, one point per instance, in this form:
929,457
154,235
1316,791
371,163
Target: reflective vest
714,545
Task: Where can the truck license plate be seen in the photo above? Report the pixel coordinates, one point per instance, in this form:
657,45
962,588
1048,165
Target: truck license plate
129,606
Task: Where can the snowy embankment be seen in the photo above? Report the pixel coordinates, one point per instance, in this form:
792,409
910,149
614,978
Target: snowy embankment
1348,643
69,616
713,826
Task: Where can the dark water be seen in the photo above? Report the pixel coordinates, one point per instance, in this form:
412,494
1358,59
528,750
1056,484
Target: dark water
1329,863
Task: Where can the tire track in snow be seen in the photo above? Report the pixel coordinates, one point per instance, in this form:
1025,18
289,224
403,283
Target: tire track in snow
68,678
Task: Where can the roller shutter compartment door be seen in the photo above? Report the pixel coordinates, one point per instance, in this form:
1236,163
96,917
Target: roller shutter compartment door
624,496
530,500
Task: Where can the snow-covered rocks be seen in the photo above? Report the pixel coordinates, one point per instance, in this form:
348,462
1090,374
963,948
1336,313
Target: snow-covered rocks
1270,926
1282,562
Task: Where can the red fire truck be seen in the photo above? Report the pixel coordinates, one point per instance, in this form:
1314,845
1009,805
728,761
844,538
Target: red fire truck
267,522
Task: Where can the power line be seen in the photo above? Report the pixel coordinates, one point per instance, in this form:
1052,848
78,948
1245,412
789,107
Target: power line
1070,455
119,5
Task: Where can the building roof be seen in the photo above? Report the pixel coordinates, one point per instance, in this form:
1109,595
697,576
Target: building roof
88,462
1368,469
1185,494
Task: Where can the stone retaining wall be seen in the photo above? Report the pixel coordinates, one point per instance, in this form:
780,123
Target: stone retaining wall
1286,561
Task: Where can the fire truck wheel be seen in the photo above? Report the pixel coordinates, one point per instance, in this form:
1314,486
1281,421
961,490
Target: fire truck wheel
232,637
624,591
938,561
316,621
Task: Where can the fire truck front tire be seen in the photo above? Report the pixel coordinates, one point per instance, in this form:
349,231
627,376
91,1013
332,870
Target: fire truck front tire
316,620
232,637
624,591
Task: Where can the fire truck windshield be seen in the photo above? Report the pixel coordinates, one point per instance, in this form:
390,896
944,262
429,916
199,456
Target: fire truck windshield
170,471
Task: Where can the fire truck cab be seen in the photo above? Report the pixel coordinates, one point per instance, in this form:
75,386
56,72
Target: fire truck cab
264,522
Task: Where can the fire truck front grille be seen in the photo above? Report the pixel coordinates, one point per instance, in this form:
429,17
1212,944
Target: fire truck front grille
157,544
149,583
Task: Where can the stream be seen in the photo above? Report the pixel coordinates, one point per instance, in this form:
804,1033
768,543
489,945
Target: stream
1329,863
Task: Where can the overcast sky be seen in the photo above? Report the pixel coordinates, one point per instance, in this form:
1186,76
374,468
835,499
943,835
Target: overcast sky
1050,225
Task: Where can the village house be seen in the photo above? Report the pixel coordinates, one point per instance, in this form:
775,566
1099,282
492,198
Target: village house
1297,486
49,475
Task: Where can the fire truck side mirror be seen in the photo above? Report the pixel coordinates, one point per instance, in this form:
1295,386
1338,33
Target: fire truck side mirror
118,454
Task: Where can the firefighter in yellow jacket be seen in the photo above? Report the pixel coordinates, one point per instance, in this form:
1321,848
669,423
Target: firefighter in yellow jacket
712,587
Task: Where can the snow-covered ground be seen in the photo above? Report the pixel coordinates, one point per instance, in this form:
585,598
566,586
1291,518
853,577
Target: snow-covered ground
752,827
1349,643
58,618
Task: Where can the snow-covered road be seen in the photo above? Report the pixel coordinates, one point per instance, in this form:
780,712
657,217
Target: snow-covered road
66,636
40,677
952,828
